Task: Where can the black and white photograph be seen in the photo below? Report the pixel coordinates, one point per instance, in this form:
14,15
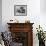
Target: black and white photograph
20,10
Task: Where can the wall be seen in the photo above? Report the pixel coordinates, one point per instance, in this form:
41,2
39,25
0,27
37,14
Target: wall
43,14
43,6
0,15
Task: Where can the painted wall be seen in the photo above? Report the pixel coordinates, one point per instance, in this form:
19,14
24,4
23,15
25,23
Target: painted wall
43,14
0,15
43,6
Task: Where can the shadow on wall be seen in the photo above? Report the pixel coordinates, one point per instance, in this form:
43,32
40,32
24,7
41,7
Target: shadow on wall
0,15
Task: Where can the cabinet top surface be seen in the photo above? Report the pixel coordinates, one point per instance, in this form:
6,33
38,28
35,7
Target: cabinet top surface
19,23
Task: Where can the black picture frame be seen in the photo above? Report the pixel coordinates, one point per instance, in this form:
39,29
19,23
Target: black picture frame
20,10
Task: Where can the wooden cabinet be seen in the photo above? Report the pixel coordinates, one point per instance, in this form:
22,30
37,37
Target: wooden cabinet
22,33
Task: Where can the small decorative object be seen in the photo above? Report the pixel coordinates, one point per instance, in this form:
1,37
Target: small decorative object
27,21
11,20
41,36
14,21
20,10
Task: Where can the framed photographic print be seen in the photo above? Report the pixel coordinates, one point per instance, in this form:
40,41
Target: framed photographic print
20,10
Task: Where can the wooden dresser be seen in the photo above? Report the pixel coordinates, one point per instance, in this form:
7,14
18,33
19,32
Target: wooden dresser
22,33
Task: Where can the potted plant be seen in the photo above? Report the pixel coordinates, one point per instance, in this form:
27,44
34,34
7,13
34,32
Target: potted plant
41,36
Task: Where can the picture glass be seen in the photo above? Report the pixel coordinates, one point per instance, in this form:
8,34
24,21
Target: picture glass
20,10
